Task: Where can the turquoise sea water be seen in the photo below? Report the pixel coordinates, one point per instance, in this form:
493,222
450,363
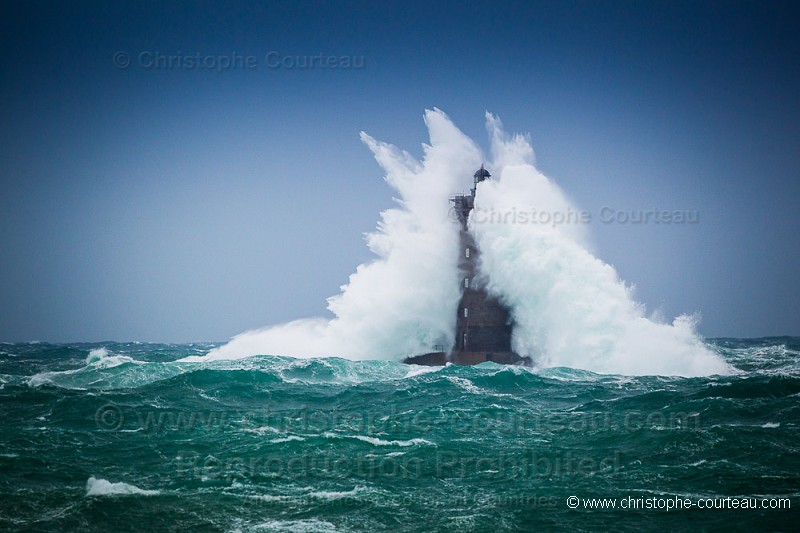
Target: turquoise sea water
122,437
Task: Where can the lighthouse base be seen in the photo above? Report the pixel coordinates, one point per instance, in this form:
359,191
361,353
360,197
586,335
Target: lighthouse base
467,358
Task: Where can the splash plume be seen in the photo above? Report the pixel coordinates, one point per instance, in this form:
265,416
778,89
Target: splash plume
568,307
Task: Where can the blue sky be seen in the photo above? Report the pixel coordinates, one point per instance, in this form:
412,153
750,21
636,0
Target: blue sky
176,203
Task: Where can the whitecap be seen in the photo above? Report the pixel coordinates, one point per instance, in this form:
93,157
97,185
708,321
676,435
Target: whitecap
417,370
103,487
262,430
380,442
290,438
333,495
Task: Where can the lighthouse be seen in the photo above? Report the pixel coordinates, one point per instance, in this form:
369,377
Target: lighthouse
483,323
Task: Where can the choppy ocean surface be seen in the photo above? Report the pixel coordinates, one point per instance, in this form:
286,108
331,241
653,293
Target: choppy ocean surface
123,437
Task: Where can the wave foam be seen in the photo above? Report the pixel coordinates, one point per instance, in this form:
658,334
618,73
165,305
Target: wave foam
402,443
103,487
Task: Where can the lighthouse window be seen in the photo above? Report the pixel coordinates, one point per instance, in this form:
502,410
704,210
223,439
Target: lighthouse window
466,253
464,345
466,312
466,283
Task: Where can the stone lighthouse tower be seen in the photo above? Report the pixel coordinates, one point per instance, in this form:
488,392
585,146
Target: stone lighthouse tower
483,325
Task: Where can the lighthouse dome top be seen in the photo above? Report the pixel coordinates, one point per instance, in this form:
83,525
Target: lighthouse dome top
482,174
